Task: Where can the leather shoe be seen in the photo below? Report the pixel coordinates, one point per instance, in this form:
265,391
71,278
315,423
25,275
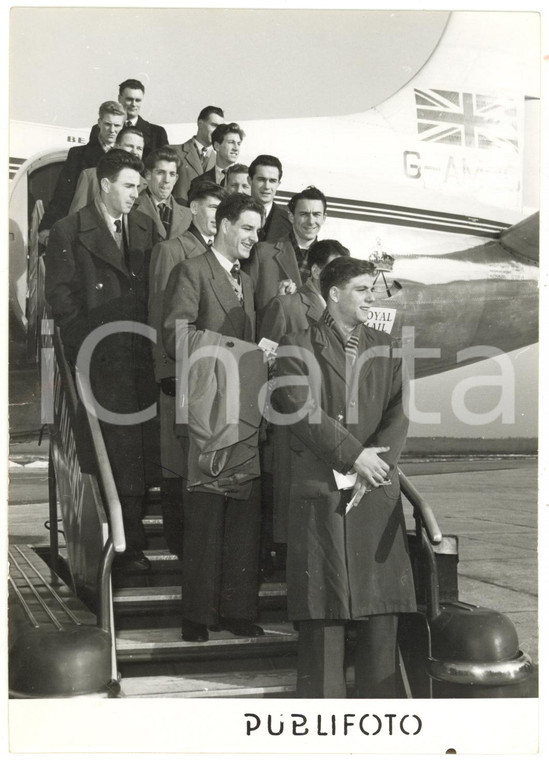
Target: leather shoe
132,559
191,631
240,627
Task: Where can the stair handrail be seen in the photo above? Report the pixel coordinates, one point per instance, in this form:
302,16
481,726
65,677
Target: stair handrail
421,508
104,469
116,541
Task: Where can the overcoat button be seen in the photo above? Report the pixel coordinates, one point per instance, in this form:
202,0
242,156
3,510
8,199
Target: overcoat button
229,343
99,286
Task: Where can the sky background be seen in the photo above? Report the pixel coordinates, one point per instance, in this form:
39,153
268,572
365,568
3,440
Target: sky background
255,64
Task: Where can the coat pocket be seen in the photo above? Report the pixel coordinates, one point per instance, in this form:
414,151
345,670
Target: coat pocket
392,491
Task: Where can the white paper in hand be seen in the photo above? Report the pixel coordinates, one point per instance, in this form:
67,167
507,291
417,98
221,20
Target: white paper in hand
344,481
268,346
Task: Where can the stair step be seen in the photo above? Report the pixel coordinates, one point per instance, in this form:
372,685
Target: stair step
145,644
144,595
156,594
153,525
153,494
265,683
161,555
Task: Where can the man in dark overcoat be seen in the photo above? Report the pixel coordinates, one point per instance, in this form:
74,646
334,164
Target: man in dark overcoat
79,158
97,268
265,176
284,315
130,96
344,408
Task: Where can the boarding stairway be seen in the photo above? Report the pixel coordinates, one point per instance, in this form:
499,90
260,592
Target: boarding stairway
125,640
151,659
154,662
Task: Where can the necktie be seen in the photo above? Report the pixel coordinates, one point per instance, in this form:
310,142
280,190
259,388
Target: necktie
223,177
121,241
128,124
235,274
165,213
118,232
204,157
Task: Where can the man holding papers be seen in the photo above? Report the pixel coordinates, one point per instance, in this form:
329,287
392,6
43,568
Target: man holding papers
340,392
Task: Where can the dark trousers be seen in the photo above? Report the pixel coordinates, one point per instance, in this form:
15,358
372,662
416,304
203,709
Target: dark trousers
132,508
171,499
172,458
220,556
320,659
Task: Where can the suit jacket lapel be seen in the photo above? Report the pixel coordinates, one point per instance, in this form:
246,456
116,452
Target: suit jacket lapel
144,126
196,236
311,300
181,218
248,293
147,206
365,342
191,154
96,238
225,294
190,248
333,352
330,348
211,160
285,257
139,242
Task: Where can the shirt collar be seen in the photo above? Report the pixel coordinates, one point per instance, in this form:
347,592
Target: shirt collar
225,263
333,325
200,147
109,219
103,144
193,229
167,201
297,248
221,174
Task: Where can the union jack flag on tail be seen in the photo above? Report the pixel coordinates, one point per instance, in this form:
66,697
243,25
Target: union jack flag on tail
466,120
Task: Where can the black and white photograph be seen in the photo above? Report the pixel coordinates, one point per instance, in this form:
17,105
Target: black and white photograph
274,484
